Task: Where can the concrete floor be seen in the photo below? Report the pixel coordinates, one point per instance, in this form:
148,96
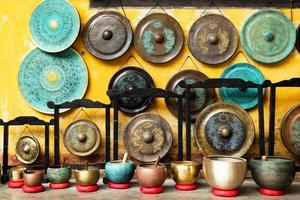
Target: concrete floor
248,191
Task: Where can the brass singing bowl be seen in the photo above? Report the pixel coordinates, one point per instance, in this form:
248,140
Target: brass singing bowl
150,176
88,176
33,178
16,173
224,172
185,172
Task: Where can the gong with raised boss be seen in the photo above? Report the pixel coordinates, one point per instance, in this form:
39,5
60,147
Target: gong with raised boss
27,149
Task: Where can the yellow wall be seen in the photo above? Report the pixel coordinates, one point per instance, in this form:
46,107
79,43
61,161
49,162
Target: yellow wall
15,42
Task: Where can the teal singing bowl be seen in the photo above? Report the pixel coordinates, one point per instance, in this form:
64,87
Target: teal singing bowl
118,172
59,175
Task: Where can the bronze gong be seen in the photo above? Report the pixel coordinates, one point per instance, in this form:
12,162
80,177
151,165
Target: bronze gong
27,149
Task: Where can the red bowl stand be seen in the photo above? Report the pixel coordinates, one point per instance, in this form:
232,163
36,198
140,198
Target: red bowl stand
15,184
35,189
271,192
225,193
146,190
119,186
186,187
59,185
87,188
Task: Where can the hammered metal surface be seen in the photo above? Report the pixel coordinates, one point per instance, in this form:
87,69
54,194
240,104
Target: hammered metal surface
158,38
45,77
82,138
107,35
224,129
290,130
54,25
200,97
246,98
130,78
147,136
213,39
27,149
268,36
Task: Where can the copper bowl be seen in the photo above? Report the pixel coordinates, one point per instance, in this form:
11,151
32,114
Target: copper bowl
33,178
150,176
88,176
185,172
224,172
16,173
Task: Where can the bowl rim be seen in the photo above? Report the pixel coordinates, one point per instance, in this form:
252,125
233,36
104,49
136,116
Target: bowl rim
160,165
238,159
281,158
90,169
185,163
119,162
58,168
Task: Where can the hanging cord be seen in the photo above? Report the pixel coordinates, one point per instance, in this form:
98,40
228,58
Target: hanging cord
82,110
157,4
185,60
108,2
240,52
27,128
212,4
127,60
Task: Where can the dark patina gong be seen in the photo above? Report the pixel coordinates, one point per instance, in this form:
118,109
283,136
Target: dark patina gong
128,79
108,35
213,39
224,129
158,38
200,97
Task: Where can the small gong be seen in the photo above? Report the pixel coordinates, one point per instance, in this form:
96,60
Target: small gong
27,149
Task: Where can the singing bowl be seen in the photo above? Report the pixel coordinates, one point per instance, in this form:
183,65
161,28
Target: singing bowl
88,176
33,178
224,172
118,172
185,172
59,175
150,176
16,173
274,173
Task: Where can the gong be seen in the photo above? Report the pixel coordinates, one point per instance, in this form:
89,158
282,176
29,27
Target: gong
246,98
107,35
27,149
298,39
290,130
54,25
128,79
213,39
158,38
45,77
82,138
224,129
147,136
200,97
268,36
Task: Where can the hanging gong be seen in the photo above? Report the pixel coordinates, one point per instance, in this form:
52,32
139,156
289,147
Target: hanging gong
246,98
158,38
290,130
224,128
213,39
200,97
298,39
27,149
268,36
45,77
107,35
130,78
54,25
82,138
147,136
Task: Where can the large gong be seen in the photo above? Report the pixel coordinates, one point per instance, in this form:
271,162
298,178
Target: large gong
224,129
158,38
147,136
213,39
27,149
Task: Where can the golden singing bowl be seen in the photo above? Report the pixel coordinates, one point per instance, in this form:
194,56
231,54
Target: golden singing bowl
185,172
16,173
33,178
88,176
224,172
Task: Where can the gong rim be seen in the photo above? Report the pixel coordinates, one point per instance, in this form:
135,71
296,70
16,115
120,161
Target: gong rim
58,48
207,113
140,119
210,95
287,124
93,20
179,37
19,151
213,59
246,41
91,125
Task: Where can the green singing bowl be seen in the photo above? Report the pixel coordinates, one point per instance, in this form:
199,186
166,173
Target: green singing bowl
59,175
118,172
88,176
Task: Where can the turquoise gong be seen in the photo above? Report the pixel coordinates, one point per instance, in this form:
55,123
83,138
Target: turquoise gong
45,77
54,25
246,98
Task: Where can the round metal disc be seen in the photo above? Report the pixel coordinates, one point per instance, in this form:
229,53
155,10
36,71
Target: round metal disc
130,78
27,149
147,136
45,77
224,129
268,36
54,25
290,130
246,98
200,97
213,39
82,138
108,35
158,38
298,39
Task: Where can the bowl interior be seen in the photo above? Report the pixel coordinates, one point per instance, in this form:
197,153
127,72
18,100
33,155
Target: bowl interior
227,159
151,165
274,159
185,163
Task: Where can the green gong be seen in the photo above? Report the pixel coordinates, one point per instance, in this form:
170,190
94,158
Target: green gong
268,36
